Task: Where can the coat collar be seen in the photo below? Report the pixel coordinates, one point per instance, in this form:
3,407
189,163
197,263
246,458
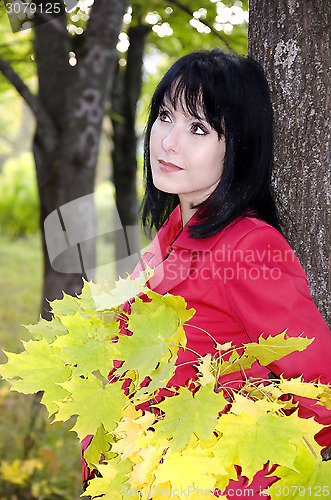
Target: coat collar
173,238
172,235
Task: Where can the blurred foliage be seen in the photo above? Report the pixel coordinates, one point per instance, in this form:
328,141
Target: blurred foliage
19,205
20,282
16,48
38,460
43,458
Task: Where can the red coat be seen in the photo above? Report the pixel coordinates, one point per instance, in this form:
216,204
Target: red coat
243,281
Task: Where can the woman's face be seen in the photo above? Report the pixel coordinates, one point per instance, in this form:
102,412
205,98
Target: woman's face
186,155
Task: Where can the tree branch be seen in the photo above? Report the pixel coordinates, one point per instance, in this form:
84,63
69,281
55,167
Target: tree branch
184,8
32,100
10,74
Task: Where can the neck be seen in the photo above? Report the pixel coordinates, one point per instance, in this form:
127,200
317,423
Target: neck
186,212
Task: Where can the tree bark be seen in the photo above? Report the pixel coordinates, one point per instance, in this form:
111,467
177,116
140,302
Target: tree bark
73,98
291,41
125,94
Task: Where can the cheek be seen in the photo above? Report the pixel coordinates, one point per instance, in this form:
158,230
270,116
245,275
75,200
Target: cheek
153,139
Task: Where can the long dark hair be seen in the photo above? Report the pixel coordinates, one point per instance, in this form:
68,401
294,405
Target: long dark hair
236,103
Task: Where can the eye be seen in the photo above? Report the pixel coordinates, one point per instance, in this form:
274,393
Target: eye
199,129
164,116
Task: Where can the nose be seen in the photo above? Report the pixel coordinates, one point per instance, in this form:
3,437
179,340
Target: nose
170,141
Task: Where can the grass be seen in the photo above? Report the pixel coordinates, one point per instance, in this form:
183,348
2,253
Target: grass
37,459
20,289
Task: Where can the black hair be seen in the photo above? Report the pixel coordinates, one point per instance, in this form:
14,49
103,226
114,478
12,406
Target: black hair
234,96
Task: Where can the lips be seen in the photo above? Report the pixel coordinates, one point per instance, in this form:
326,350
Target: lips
168,167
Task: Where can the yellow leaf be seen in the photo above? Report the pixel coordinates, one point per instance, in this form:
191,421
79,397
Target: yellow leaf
141,476
325,398
128,431
189,470
19,471
271,349
206,370
252,408
300,388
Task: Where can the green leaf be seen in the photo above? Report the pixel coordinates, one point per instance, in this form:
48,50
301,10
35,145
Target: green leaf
38,368
124,290
113,480
99,447
93,403
273,348
252,440
143,350
186,414
325,398
47,330
66,305
159,378
309,478
174,302
88,344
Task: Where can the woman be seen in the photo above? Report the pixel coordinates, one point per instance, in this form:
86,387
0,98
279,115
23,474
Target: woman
208,162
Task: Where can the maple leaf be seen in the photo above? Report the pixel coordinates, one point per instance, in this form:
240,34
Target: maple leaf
309,477
128,432
68,305
255,409
143,350
47,330
270,349
124,290
298,387
262,391
189,470
188,413
78,328
160,376
38,368
88,344
99,447
142,475
237,362
206,369
113,481
174,302
93,403
258,438
225,346
325,397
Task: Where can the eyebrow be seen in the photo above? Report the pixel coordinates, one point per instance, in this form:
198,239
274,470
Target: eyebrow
167,103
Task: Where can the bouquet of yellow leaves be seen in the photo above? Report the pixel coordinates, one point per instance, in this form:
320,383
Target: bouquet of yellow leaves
191,441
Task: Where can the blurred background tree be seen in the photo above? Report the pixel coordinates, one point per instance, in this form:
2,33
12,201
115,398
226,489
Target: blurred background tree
75,71
76,60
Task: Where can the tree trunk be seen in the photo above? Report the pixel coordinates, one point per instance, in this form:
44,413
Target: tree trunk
66,142
291,40
125,94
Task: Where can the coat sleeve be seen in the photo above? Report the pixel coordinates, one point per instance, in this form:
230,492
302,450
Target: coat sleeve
268,293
